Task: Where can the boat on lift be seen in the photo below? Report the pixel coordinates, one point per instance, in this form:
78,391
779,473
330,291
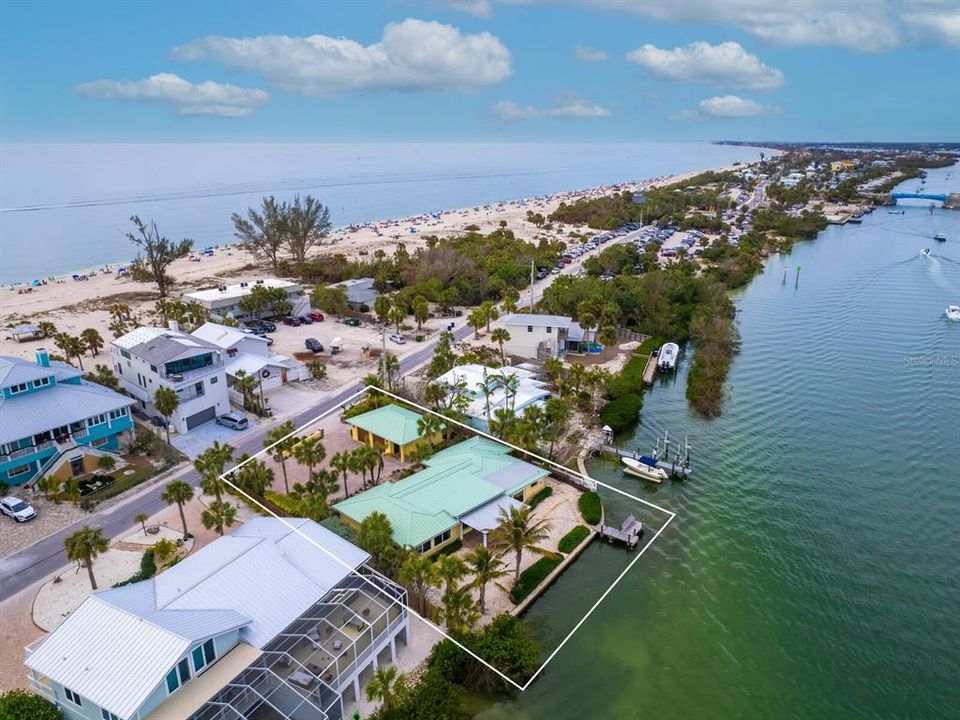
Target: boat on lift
642,469
667,357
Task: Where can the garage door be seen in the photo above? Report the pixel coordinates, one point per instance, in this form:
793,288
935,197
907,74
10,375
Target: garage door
201,417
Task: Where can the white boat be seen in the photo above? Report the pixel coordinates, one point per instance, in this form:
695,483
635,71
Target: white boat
925,252
642,470
940,237
667,357
953,312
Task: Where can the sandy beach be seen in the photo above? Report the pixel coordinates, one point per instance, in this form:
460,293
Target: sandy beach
74,305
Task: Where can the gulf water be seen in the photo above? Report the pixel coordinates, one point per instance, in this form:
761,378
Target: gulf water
66,207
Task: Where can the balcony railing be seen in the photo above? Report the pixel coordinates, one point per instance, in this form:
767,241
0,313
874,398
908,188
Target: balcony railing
24,452
188,375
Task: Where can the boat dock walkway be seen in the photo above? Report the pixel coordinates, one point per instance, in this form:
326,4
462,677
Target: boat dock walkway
672,468
628,533
650,369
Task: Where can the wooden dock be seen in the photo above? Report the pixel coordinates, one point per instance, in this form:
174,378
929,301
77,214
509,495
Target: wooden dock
628,533
650,369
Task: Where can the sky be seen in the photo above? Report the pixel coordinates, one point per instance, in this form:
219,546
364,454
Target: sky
479,71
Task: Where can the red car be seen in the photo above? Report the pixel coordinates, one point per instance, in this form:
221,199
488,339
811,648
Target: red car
316,315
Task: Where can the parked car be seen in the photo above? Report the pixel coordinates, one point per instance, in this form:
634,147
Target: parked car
268,326
233,420
316,315
290,320
313,345
557,270
352,322
158,421
258,330
306,319
17,509
398,339
541,273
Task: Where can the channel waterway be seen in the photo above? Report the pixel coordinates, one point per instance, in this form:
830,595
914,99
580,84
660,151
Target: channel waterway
811,571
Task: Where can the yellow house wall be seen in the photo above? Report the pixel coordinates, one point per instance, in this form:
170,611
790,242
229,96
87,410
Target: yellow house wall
456,532
530,490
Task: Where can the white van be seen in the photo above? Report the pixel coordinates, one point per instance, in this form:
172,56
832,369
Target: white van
336,345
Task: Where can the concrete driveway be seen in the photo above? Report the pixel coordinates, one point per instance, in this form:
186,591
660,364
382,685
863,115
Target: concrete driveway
199,439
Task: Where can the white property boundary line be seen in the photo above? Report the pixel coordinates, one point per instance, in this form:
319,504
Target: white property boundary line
225,477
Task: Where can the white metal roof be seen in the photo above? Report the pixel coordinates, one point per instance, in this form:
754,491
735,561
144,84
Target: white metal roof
529,389
239,290
486,517
250,364
561,321
226,337
118,646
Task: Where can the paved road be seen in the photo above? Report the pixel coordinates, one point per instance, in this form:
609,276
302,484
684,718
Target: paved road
46,557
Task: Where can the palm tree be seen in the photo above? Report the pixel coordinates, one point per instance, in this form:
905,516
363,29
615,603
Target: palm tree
391,366
557,412
397,315
510,383
458,612
489,312
419,573
84,546
552,367
92,341
575,375
142,519
72,346
476,320
500,336
47,328
280,440
485,567
166,401
340,464
254,477
163,551
607,335
517,532
246,385
428,426
381,307
309,453
210,464
375,535
421,311
451,570
510,299
218,516
179,492
386,685
487,389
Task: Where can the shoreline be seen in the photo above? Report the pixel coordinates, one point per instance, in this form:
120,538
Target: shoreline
75,305
341,233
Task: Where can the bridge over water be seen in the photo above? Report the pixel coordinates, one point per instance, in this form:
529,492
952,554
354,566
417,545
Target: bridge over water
951,200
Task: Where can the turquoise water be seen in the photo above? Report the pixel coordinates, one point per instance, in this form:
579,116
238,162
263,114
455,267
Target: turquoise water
812,570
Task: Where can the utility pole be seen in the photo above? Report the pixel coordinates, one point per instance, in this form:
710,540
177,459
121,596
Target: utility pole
531,286
383,354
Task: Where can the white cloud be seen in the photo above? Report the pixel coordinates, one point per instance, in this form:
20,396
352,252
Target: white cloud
185,97
728,106
412,55
570,108
726,65
941,27
477,8
874,26
588,54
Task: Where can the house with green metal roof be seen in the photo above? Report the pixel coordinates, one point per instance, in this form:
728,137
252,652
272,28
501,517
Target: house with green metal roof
461,490
393,428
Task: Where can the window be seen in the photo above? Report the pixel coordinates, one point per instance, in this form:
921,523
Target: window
97,420
117,414
198,661
107,715
179,675
19,470
425,547
125,354
73,697
209,651
153,368
18,388
529,328
99,442
203,655
213,380
442,537
41,382
549,330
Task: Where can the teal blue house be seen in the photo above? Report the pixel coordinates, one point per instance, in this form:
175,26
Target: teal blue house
52,422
